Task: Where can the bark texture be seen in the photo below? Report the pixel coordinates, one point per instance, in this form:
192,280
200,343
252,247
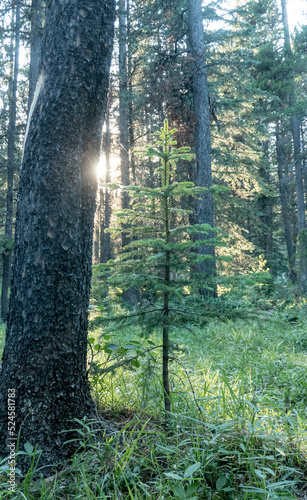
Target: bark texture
202,129
7,256
45,353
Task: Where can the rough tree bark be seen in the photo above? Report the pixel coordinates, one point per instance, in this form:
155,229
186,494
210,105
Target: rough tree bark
45,355
295,129
202,129
8,231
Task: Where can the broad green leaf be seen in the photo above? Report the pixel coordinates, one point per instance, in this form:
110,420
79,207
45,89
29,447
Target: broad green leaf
179,491
29,448
192,488
220,483
190,470
112,347
171,475
135,363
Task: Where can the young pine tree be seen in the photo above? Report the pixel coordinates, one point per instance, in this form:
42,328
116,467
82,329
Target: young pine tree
161,259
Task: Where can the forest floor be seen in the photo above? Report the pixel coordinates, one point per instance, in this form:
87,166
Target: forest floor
238,423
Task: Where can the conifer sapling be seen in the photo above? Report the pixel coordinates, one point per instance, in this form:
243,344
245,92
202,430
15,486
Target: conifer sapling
161,258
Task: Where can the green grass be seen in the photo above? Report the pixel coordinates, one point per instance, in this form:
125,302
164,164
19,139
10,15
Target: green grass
238,425
2,337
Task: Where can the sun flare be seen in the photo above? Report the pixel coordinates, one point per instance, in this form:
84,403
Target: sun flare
101,167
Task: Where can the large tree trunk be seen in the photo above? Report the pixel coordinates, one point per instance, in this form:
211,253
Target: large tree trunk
45,355
202,129
284,202
35,44
295,129
7,256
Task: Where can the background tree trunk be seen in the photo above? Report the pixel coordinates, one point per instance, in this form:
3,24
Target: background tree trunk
7,255
96,238
129,296
45,355
202,128
130,95
265,207
105,244
123,106
295,129
35,44
285,210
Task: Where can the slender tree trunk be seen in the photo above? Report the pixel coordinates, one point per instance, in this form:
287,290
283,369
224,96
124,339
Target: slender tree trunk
123,106
96,237
295,129
105,246
304,163
131,295
130,97
165,332
7,256
265,206
102,226
35,45
284,204
45,355
167,277
202,129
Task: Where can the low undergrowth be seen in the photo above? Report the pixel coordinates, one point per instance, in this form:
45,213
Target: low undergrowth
237,428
